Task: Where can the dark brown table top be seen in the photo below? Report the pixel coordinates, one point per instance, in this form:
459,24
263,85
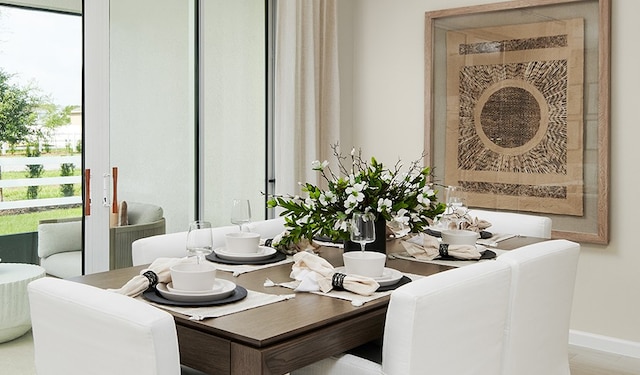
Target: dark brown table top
281,323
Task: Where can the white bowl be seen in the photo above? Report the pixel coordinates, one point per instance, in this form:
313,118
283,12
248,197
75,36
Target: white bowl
193,277
459,237
364,263
242,242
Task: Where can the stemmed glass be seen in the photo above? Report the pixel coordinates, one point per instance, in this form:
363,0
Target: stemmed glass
362,229
199,240
240,212
455,198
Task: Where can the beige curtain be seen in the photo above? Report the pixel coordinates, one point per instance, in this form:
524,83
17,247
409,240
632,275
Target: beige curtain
307,96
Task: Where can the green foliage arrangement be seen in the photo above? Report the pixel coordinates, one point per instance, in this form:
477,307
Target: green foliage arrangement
368,187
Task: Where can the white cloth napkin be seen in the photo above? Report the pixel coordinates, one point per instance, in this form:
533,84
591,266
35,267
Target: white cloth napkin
315,273
426,247
160,268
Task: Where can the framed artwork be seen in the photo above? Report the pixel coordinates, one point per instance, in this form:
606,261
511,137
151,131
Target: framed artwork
517,109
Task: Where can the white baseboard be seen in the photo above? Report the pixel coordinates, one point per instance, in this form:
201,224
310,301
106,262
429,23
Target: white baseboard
604,343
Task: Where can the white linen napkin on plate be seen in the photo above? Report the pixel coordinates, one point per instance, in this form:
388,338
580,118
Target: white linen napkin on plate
158,272
315,273
426,247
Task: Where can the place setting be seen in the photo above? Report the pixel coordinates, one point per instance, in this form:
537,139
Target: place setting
243,248
369,263
363,277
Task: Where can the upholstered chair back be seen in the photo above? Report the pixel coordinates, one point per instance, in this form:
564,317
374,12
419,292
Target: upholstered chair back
80,329
515,223
540,307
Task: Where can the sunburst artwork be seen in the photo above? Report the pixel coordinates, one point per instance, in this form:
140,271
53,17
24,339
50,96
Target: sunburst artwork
514,116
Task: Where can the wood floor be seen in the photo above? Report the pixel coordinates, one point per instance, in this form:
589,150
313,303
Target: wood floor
16,358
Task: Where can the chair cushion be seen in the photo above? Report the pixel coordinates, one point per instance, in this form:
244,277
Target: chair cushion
59,237
143,213
63,265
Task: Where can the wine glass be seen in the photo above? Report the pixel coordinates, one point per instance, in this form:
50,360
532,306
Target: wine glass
362,229
240,212
199,240
455,198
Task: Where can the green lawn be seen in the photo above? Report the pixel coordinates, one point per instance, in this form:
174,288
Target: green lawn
21,223
28,222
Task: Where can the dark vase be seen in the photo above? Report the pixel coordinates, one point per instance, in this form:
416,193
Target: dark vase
379,245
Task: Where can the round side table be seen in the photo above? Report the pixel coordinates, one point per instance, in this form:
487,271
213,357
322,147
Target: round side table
15,319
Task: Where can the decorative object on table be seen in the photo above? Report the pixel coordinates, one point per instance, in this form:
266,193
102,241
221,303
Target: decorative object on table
425,247
316,274
388,193
158,272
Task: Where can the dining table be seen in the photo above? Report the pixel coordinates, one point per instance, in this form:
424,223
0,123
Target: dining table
280,337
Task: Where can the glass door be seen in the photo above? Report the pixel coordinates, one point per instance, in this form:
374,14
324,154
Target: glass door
41,131
152,120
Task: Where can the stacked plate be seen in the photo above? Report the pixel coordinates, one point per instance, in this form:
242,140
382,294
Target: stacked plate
223,291
264,255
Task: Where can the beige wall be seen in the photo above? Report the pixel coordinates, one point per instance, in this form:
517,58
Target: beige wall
386,79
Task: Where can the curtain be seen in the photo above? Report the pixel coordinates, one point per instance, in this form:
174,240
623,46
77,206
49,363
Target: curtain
306,85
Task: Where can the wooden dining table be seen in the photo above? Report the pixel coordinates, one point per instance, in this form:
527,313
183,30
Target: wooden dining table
280,337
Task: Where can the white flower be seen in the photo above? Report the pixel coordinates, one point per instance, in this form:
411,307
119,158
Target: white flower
384,204
316,165
341,225
353,151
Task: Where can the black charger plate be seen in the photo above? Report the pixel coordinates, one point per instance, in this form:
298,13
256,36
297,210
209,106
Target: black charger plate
154,296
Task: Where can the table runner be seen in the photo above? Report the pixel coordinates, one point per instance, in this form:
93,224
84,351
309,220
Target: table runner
451,263
253,300
238,270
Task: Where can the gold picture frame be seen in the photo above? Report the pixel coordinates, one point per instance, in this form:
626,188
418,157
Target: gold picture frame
517,109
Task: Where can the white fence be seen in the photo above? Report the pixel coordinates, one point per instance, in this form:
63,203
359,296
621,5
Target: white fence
49,162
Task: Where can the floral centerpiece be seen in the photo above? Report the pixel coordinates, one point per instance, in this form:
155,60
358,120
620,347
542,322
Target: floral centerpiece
370,187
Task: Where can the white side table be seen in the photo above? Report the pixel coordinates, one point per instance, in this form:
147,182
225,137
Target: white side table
15,319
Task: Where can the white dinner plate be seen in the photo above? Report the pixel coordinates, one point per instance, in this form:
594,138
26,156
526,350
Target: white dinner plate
389,276
216,288
225,290
263,252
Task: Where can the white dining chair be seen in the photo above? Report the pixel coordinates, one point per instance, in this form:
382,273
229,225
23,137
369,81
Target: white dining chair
267,229
172,245
537,335
81,329
452,322
515,223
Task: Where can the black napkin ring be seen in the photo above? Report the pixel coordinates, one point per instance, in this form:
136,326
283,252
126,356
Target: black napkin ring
268,242
444,249
152,277
337,280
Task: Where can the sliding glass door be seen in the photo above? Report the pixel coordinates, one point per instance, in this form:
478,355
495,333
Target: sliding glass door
177,101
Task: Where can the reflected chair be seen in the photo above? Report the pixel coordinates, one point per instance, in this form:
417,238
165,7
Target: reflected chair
537,335
515,223
143,220
80,329
452,322
60,246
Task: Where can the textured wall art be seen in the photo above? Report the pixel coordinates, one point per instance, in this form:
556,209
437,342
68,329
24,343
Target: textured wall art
514,115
